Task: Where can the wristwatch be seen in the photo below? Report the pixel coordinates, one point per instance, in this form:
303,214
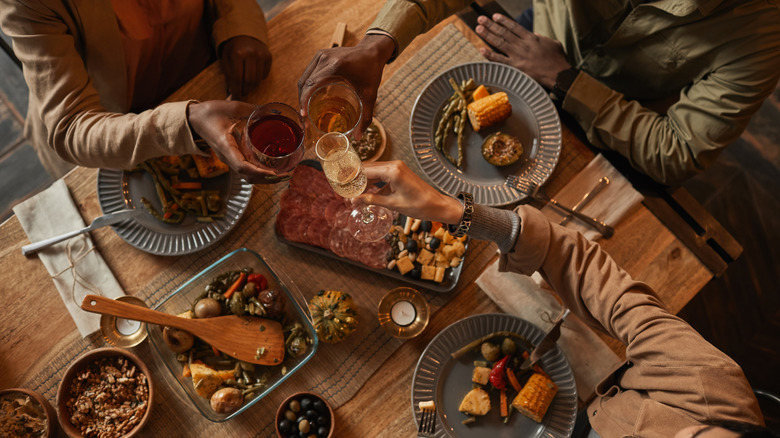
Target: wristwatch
563,82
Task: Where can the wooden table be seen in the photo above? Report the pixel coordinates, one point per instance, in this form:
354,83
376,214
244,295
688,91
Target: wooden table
34,327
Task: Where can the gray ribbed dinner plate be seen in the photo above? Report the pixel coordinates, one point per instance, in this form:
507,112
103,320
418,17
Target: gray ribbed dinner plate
534,121
445,380
118,190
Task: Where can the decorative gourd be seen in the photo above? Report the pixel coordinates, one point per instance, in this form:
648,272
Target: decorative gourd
333,315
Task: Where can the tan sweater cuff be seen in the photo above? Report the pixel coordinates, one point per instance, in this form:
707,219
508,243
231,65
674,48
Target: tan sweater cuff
585,98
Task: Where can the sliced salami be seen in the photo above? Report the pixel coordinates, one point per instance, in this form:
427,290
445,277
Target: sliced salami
335,207
337,239
294,201
303,227
318,233
374,254
318,205
287,223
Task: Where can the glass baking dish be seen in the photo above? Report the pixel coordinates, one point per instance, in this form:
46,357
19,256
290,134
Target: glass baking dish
181,300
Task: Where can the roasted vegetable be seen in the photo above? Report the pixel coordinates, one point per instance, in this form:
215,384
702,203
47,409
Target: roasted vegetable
333,315
501,149
476,402
535,397
489,110
211,166
498,374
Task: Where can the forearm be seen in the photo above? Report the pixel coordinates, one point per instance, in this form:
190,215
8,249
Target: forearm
673,146
405,19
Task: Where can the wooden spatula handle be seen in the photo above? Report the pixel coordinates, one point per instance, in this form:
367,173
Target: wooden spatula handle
98,304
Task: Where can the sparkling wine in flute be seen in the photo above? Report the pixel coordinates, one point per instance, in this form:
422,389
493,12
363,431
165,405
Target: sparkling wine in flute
344,171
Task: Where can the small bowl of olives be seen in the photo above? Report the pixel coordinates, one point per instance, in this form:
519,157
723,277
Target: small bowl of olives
305,414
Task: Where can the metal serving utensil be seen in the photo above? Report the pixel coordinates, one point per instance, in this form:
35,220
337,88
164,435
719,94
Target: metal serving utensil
532,189
99,222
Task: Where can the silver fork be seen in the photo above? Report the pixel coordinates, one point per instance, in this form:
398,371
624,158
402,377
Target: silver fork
531,189
427,427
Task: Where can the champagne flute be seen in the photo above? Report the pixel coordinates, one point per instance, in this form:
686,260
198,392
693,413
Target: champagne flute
273,139
344,171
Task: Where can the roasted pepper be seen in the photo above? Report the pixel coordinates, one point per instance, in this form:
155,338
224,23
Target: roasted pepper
498,374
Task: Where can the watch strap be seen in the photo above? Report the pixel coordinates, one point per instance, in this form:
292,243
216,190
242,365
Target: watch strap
563,82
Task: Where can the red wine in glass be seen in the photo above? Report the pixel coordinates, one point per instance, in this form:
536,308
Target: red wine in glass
273,137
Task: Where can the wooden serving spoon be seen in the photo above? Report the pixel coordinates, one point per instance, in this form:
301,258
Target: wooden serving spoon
241,337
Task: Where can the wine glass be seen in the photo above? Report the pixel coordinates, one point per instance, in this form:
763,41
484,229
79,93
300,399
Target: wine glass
344,171
334,107
273,139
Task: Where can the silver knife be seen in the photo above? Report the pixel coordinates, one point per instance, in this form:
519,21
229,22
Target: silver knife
101,221
603,182
545,345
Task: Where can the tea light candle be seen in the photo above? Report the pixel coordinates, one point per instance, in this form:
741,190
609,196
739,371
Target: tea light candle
127,326
403,313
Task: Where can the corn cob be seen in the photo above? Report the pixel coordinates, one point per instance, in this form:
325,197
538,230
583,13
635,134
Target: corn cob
489,110
535,397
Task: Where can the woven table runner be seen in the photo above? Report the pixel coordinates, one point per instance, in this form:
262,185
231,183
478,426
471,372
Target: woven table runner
336,371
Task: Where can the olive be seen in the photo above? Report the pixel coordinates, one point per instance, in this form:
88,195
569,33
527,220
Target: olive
227,400
323,420
411,246
416,273
320,407
435,243
285,425
311,415
295,406
273,303
306,403
207,308
177,340
249,289
290,415
426,226
304,426
323,431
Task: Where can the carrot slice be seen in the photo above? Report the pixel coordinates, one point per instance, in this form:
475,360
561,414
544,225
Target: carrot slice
234,287
504,409
513,380
187,185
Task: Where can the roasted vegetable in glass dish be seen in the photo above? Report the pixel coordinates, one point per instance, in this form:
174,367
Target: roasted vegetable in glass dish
228,383
178,181
496,373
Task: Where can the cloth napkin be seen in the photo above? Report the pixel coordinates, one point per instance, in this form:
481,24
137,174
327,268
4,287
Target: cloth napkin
610,205
528,298
75,266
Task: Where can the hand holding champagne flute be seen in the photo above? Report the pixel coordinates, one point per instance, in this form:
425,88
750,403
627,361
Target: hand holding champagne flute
344,171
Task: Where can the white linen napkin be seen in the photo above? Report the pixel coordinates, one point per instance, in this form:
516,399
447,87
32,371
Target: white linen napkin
610,206
590,358
74,264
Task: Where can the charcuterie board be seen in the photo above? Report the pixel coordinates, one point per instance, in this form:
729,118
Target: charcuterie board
312,217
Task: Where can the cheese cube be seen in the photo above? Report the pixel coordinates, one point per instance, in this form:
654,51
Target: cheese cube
480,375
404,265
424,257
439,234
428,273
460,249
455,262
448,251
439,277
448,238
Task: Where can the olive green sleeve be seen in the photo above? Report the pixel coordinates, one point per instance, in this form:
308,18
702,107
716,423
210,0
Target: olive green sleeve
710,114
405,19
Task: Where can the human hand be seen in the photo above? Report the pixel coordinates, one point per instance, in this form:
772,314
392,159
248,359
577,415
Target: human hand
215,122
361,66
539,57
408,194
245,62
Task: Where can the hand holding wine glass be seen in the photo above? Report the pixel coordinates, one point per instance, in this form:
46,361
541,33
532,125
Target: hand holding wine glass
344,170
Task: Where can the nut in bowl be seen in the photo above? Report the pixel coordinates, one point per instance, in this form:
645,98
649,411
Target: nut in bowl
106,392
26,414
305,414
373,143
